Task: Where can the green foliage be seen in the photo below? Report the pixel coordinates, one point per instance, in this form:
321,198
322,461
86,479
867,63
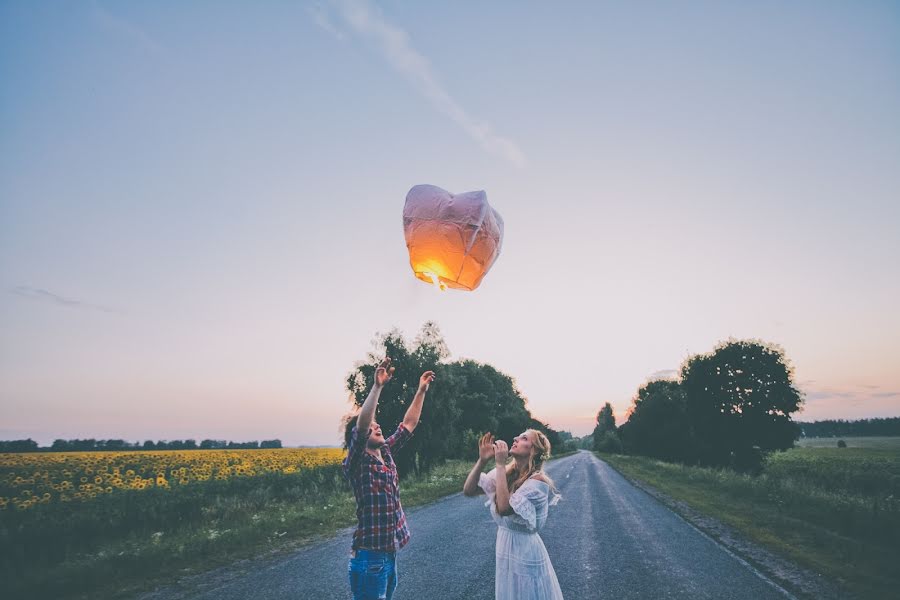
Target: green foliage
864,471
608,442
468,447
605,438
659,425
869,441
568,446
28,445
729,408
740,399
120,545
466,399
860,427
51,532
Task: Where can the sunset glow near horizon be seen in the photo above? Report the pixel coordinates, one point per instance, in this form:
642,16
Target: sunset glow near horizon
200,206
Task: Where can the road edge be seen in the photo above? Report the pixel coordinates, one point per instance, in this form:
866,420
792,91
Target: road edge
795,581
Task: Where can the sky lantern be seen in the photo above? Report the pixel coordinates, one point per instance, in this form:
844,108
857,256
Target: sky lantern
453,239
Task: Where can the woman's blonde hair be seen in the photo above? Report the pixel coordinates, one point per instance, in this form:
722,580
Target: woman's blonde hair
540,453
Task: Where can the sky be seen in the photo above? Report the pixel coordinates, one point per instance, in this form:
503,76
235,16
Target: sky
201,203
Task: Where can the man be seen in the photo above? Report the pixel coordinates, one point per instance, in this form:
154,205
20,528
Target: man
381,530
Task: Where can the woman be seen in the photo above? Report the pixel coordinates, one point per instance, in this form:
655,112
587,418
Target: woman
518,494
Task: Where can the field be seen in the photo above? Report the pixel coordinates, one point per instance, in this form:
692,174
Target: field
833,510
104,524
41,478
885,443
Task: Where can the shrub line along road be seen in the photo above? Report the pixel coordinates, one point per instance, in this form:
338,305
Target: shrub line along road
606,538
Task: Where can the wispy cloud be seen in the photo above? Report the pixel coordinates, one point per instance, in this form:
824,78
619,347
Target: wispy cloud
41,295
125,29
320,17
394,43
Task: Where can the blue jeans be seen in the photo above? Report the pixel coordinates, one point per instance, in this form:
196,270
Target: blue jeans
373,575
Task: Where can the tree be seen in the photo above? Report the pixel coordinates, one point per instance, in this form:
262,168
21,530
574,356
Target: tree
658,423
606,424
28,445
861,427
740,399
606,421
488,400
434,434
466,400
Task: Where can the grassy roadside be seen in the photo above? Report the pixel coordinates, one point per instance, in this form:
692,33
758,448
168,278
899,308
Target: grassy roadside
845,535
233,527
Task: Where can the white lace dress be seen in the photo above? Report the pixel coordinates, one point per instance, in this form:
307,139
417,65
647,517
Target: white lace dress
524,571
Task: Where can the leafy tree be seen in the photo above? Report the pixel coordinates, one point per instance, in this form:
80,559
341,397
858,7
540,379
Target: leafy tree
605,430
489,400
466,400
740,399
608,441
28,445
433,435
658,423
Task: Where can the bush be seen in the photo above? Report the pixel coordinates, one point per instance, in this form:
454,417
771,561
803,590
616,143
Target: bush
609,442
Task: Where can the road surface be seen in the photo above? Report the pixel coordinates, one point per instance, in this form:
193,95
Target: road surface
606,539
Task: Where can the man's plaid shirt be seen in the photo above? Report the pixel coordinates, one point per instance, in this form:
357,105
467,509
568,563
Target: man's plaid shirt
381,521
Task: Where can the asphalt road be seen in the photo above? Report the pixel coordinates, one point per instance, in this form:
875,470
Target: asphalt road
606,539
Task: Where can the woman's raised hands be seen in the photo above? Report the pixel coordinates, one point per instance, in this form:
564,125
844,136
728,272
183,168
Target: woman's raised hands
486,447
501,452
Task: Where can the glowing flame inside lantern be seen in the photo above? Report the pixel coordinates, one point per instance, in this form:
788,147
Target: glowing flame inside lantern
436,281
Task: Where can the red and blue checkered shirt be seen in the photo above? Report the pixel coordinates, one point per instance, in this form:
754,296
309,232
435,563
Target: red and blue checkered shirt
381,521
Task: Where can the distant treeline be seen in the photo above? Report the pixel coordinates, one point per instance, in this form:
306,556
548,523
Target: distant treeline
860,428
92,445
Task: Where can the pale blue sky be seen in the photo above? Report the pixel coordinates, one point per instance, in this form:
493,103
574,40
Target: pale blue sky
200,205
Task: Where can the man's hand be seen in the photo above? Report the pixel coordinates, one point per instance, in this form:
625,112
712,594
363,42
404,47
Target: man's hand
425,380
486,447
383,372
501,452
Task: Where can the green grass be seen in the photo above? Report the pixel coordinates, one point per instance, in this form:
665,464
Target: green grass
885,443
147,545
835,511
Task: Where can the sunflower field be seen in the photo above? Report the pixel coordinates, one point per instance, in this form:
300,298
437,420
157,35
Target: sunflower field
67,517
31,479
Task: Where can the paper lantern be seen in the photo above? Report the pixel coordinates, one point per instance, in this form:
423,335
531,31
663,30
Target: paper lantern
453,240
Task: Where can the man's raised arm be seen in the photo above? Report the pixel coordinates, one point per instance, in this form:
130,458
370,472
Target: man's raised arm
383,373
411,419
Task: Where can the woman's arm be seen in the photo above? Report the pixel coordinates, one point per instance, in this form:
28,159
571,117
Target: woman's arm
470,487
485,451
501,453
